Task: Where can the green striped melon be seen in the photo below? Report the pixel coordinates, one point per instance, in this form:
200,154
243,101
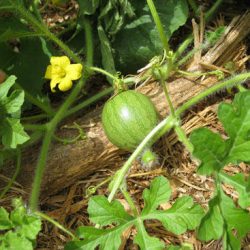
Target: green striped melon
127,118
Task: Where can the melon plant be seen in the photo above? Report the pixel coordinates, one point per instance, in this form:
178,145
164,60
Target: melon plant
127,118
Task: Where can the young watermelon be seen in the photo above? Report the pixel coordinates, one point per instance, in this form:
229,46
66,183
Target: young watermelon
127,118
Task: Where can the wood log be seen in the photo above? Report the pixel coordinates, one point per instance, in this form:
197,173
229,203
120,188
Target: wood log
68,163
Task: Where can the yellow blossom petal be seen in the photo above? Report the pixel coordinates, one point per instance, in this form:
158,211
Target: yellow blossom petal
54,82
65,84
62,61
74,71
48,73
57,71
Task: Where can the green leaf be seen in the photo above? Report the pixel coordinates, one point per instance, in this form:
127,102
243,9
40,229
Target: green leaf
12,241
5,87
106,50
209,148
230,242
25,228
31,226
5,222
212,224
145,241
235,118
183,215
212,150
158,193
134,51
13,133
236,218
103,212
12,28
240,184
14,102
11,130
106,239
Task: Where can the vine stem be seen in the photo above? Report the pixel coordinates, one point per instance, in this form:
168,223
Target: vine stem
50,128
55,223
168,123
165,89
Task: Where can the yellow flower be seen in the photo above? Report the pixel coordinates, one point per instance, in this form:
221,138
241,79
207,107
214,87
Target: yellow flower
62,73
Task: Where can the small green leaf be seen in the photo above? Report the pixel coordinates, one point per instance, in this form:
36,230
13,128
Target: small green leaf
13,240
5,87
14,102
5,222
31,226
183,215
13,133
212,224
239,182
158,193
103,212
145,241
209,148
24,228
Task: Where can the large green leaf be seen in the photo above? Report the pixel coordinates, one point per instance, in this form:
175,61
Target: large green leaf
235,118
183,215
12,28
138,41
215,152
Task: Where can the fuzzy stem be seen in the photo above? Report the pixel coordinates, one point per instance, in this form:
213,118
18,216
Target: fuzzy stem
183,138
163,84
40,169
104,72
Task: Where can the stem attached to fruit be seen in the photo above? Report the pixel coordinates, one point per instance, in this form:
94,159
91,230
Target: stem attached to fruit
164,126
